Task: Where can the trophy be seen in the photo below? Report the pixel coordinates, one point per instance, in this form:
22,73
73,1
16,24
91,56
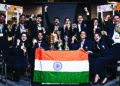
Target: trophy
66,43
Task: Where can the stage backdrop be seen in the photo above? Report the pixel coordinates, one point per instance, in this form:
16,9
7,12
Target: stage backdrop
63,10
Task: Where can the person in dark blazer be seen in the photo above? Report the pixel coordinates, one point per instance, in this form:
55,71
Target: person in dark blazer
95,24
39,43
42,44
111,54
18,29
84,43
36,27
52,26
3,37
81,25
19,58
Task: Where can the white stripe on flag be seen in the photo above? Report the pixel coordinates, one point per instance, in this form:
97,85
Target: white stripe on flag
61,66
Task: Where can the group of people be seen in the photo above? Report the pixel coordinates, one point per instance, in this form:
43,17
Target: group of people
99,38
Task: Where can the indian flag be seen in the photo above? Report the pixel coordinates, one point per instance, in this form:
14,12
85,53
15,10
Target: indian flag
61,67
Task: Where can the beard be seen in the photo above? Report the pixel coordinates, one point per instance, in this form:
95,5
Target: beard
56,23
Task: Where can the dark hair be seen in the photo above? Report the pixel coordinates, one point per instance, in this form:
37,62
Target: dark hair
23,33
2,14
79,15
56,18
99,33
116,15
22,15
39,15
94,19
67,18
40,32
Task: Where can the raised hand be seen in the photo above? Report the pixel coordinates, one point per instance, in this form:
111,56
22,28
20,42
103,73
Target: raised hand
107,17
86,10
46,7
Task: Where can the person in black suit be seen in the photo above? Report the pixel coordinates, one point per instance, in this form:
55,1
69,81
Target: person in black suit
81,25
36,27
111,54
3,37
18,29
95,25
19,58
84,43
52,26
39,43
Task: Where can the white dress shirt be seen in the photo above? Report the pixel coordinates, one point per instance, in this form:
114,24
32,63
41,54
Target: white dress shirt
79,27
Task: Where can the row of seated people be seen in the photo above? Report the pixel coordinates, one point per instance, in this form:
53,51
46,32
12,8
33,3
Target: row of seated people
27,38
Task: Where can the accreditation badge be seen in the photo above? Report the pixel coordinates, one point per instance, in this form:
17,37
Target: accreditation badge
24,31
117,37
1,34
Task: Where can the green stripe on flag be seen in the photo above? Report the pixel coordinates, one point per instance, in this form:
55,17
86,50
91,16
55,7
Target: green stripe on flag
61,77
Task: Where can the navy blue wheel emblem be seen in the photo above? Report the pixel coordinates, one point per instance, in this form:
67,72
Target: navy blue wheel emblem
57,66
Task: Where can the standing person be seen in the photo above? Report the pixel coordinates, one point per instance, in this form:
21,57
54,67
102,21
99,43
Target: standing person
52,26
3,37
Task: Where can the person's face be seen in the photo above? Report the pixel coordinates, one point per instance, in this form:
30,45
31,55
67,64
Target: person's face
83,35
116,19
2,19
24,37
23,19
67,21
95,23
80,19
40,36
97,37
39,20
56,22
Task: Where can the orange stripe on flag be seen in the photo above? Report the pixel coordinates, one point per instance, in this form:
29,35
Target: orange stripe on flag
61,55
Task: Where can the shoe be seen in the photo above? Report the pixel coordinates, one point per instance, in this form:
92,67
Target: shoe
104,81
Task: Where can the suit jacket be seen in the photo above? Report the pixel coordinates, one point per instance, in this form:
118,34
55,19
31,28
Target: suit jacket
50,25
34,31
91,26
4,38
83,28
100,48
87,46
44,45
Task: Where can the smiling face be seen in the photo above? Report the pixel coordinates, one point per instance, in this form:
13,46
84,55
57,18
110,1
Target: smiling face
79,19
24,37
39,20
22,19
2,19
56,21
97,37
40,36
116,19
83,35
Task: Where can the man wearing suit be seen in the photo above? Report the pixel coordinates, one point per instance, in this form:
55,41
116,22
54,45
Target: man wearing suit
40,43
84,44
95,25
36,27
19,28
52,26
81,25
112,54
3,37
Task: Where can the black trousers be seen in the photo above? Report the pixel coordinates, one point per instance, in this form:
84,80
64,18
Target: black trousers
110,55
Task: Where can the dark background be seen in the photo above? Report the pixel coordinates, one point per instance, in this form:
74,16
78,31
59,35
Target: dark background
63,10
